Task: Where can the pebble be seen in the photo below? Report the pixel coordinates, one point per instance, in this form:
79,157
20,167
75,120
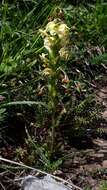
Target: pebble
104,164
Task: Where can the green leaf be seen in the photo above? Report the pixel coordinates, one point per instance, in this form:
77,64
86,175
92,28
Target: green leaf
99,59
29,103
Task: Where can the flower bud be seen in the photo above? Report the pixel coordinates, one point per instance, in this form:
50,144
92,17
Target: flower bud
65,79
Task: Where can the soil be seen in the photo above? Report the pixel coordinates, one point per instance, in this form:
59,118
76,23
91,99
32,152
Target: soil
87,167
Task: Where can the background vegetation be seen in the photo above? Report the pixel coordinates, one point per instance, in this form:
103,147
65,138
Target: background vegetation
25,116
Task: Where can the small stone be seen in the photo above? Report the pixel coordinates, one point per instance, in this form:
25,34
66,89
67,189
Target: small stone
98,142
104,164
46,183
105,114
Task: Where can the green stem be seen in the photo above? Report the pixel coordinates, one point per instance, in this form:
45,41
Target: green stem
52,95
53,132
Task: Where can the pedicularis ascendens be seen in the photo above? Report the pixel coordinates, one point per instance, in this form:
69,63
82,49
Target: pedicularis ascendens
56,41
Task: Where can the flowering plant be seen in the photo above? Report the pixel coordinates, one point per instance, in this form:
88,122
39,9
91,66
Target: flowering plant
56,41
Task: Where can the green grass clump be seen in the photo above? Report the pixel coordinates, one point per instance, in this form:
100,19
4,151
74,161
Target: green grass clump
103,185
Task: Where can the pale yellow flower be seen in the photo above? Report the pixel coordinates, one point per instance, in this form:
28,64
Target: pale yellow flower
44,59
47,71
52,28
56,35
57,27
49,43
43,33
64,54
63,31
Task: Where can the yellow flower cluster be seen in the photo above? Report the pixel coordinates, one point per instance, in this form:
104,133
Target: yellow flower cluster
54,31
56,27
56,39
